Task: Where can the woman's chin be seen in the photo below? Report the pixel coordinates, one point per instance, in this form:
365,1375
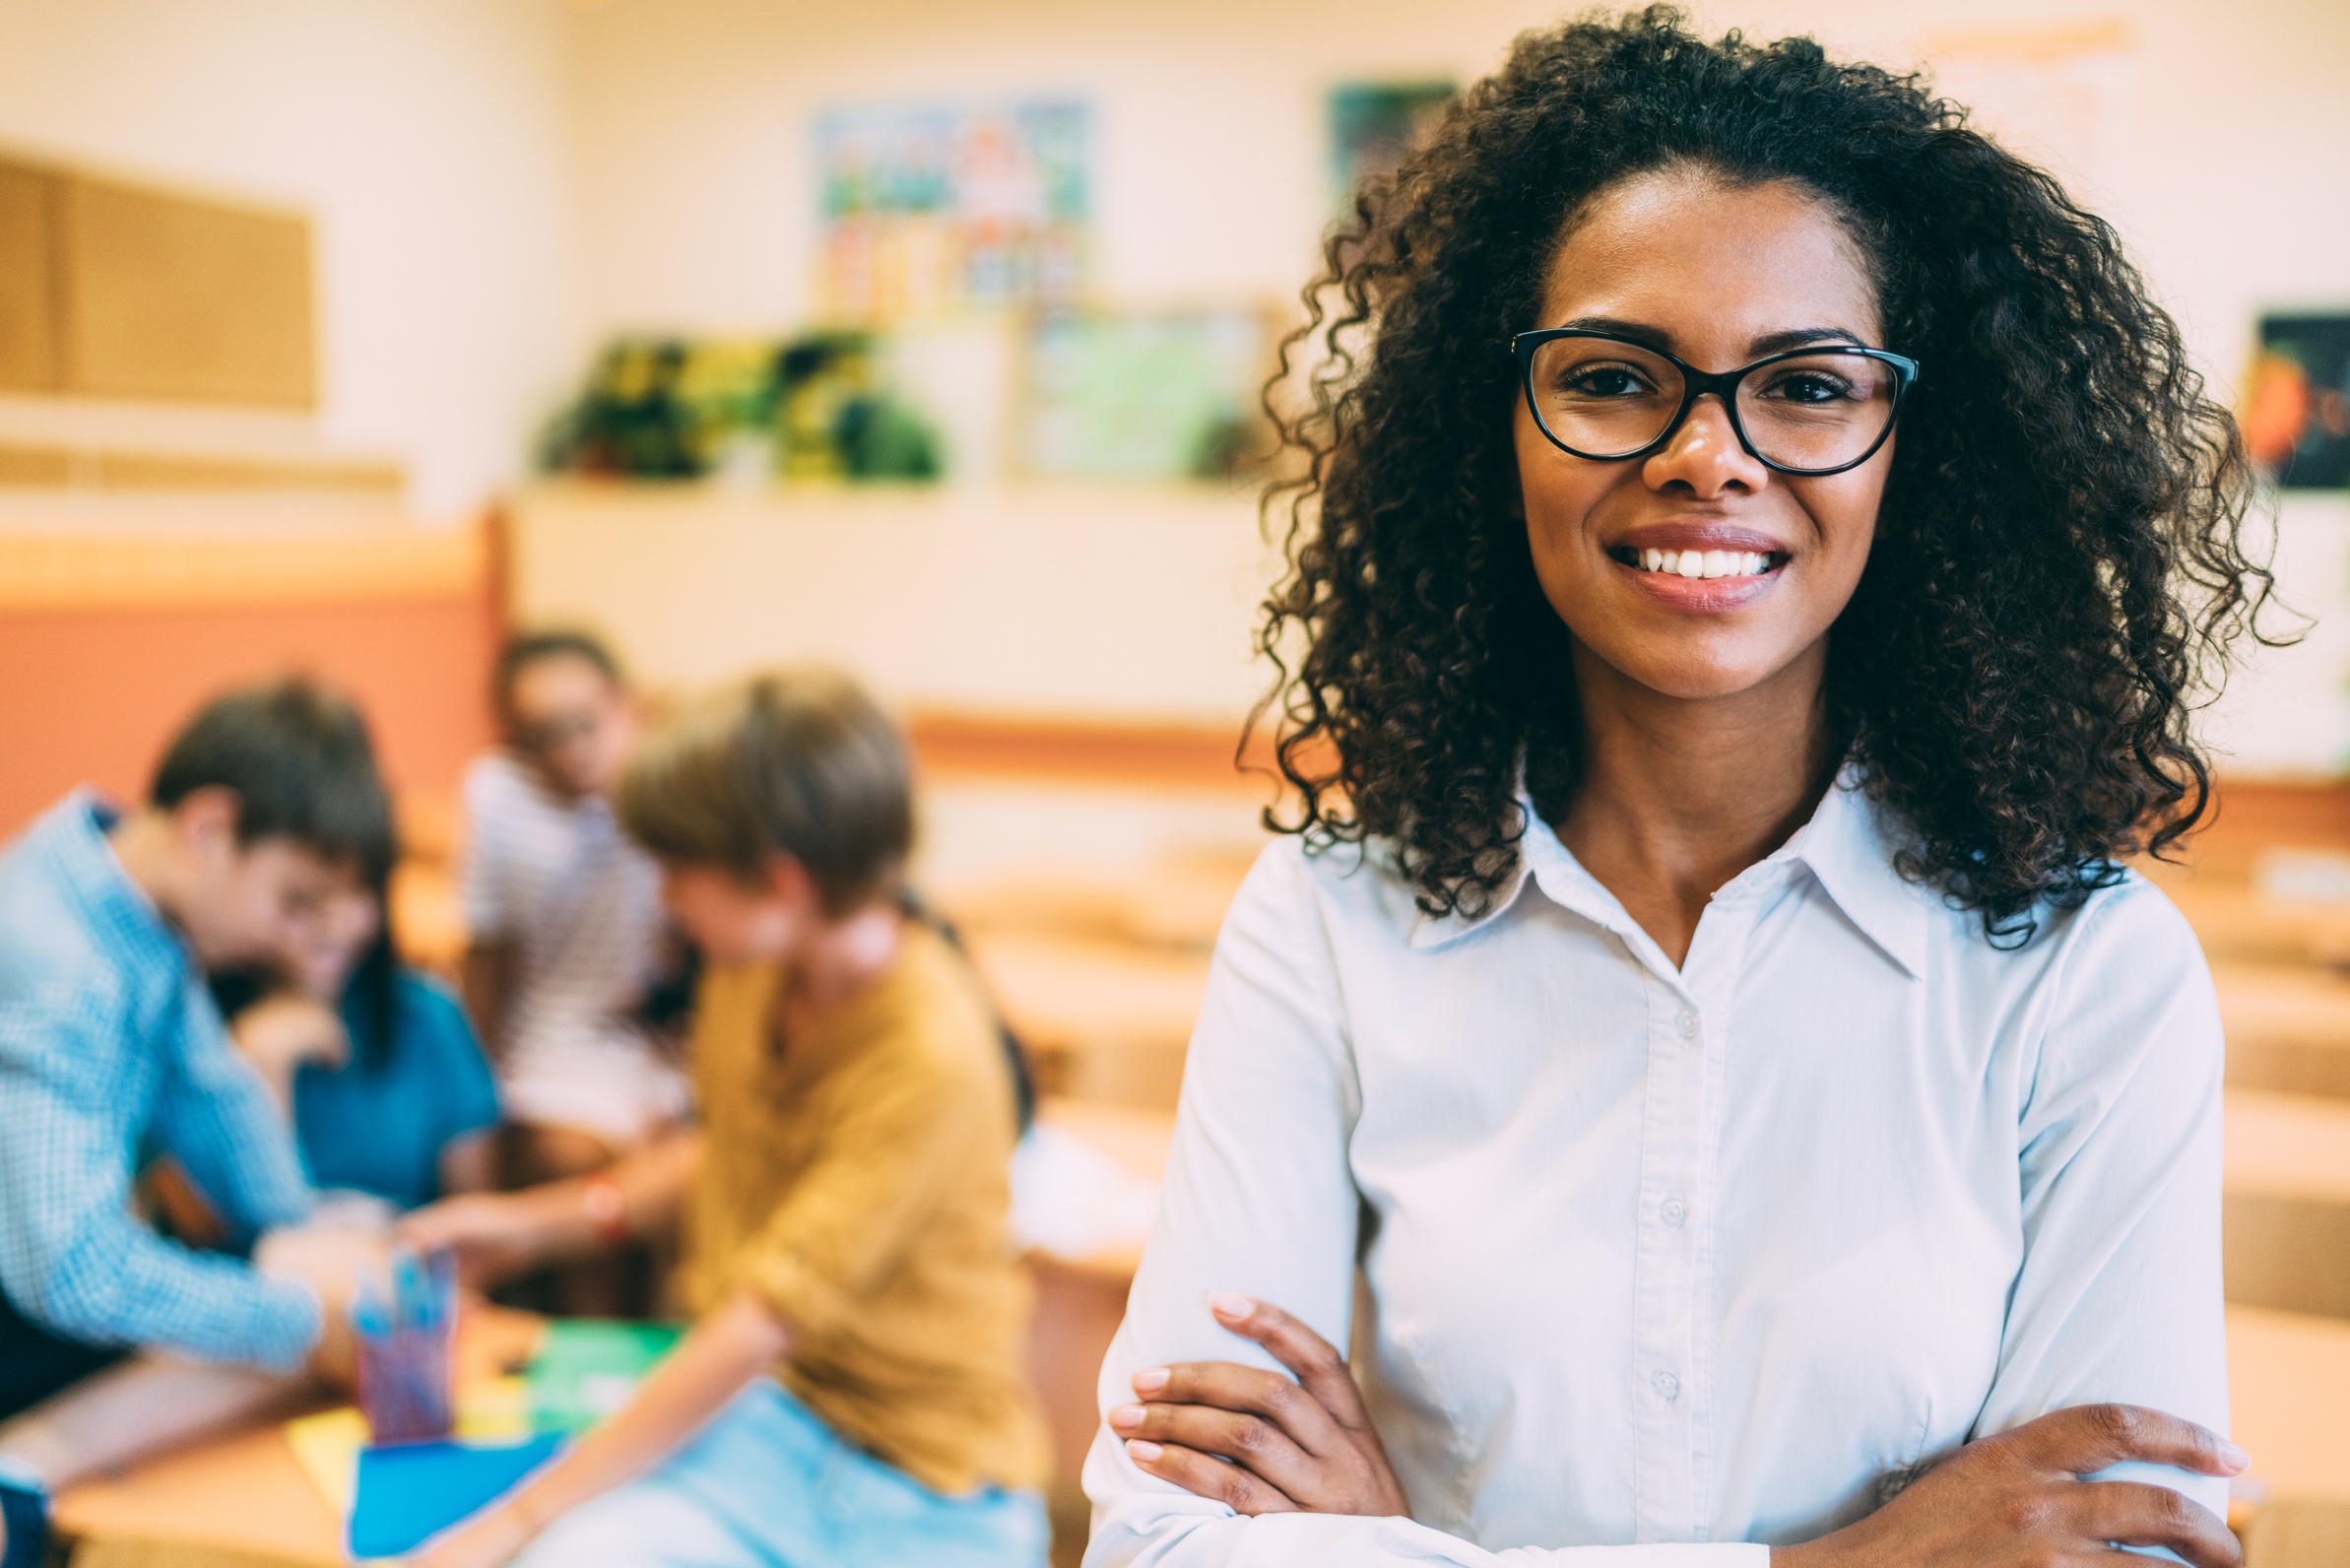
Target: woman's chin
1717,667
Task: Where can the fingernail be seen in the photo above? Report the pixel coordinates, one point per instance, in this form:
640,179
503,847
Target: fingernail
1139,1452
1128,1415
2230,1455
1151,1379
1230,1304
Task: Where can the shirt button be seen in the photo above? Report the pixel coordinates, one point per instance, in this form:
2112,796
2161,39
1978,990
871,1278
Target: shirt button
1667,1385
1674,1211
1688,1023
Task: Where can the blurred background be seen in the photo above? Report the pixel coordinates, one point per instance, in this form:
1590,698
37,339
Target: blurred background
923,338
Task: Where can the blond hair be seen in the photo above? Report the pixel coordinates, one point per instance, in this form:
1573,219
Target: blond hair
798,761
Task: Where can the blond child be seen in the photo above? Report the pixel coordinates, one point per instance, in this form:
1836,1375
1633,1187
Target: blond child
853,1391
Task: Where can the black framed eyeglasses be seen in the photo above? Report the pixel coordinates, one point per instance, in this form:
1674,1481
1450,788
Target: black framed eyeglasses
1806,412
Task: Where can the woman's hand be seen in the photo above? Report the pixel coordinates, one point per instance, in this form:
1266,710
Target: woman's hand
483,1541
2018,1498
1302,1447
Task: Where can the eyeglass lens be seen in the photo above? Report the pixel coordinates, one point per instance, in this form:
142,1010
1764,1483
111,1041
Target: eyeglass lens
1605,398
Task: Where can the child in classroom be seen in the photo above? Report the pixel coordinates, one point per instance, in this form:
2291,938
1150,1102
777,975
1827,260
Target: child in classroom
567,933
854,1391
390,1097
262,812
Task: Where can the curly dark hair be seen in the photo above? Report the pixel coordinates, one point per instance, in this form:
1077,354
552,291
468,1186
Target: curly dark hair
2059,562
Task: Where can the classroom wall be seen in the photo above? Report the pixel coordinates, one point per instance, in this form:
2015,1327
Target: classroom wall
2218,136
429,141
109,643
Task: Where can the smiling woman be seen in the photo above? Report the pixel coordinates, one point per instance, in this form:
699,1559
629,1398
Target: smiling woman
1755,553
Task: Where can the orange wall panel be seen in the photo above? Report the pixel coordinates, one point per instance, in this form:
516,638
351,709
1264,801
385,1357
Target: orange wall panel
92,695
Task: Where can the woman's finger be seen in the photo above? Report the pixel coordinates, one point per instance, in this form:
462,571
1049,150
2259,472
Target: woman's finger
1236,1488
2087,1438
1229,1386
1320,1369
1250,1441
2138,1515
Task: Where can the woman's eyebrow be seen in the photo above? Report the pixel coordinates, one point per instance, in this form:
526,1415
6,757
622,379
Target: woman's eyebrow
1638,332
1657,337
1798,337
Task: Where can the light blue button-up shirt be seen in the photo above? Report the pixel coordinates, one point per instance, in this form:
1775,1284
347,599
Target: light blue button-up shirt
1662,1263
110,1051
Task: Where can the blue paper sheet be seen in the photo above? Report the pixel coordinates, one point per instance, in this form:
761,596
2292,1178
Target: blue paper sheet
412,1491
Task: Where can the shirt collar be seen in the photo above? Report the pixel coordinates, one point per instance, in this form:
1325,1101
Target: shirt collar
1844,846
1849,853
74,837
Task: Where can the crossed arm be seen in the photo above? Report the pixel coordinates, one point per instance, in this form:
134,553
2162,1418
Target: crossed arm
1261,1442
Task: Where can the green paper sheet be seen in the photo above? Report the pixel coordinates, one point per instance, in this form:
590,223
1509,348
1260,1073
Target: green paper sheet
586,1368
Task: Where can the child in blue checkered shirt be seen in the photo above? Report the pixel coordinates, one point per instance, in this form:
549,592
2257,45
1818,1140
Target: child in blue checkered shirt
112,1051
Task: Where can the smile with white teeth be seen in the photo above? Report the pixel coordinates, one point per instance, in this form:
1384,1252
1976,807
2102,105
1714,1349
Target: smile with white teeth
1701,562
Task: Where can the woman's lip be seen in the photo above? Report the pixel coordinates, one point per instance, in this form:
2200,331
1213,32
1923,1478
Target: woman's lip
1699,595
1698,536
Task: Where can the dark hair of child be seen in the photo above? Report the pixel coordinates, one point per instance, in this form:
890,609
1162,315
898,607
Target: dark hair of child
297,758
527,648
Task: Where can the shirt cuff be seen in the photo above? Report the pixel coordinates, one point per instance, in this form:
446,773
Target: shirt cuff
288,1319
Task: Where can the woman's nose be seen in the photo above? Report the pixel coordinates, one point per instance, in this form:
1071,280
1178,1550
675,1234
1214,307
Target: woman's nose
1705,455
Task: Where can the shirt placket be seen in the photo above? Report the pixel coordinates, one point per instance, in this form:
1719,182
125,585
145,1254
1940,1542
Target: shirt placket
1688,1028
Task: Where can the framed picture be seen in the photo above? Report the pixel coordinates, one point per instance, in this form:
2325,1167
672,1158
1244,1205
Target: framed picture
1374,124
938,207
1142,395
2296,401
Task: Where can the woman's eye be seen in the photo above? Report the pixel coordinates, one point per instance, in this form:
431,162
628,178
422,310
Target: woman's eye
1809,386
1606,382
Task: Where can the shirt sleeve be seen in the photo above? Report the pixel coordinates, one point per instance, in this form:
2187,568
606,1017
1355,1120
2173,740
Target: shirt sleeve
71,1257
215,1116
851,1214
2119,1297
1258,1199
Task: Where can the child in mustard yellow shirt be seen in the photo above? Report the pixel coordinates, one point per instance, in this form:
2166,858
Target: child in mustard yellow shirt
853,1389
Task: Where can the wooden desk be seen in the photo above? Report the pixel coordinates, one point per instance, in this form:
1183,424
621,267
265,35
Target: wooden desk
2288,1028
1107,1021
242,1498
2285,1220
239,1500
2289,1383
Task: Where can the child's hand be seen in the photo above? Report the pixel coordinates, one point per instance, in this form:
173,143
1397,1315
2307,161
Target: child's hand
495,1235
331,1260
280,1033
1302,1447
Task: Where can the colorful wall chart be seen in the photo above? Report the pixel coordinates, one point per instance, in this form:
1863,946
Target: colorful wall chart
931,207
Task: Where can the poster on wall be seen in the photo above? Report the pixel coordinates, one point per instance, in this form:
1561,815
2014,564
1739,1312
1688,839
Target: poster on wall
1142,395
2297,403
932,208
1374,124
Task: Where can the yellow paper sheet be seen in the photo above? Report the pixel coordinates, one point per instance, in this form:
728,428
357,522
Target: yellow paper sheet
327,1445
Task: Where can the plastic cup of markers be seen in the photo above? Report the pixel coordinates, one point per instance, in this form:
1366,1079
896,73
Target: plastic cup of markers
406,1341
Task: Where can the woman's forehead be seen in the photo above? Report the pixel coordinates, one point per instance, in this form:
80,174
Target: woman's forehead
1711,267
